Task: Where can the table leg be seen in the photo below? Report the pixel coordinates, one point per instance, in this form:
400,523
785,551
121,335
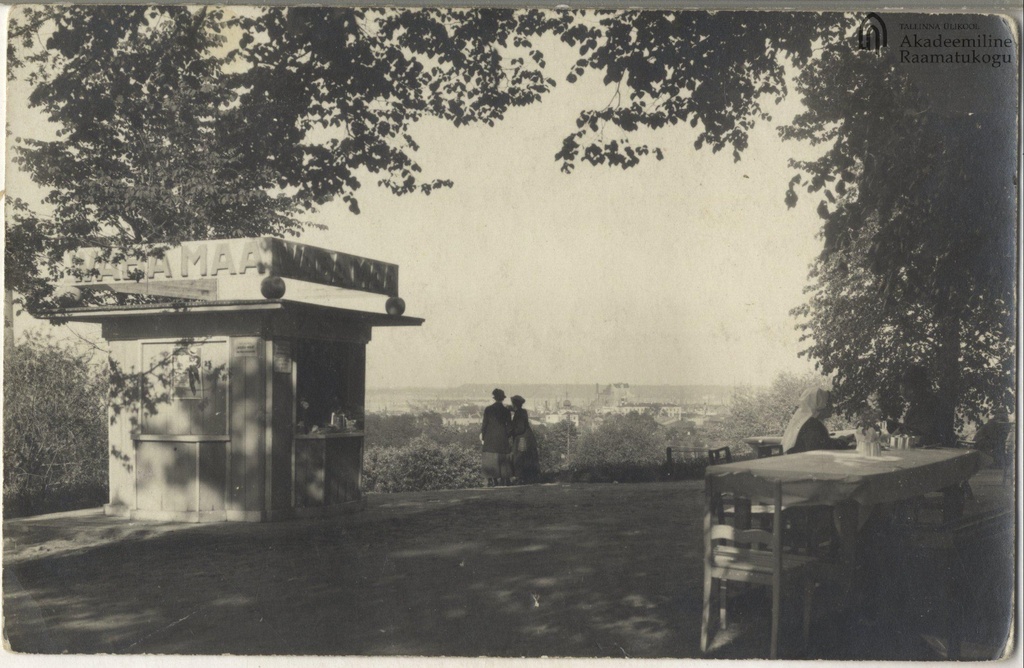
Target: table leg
952,504
844,516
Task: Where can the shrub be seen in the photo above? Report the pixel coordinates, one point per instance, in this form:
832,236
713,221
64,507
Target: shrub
421,465
624,448
555,442
55,431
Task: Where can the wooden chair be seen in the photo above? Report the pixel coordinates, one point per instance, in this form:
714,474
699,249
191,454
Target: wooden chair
976,551
940,506
725,506
805,537
763,450
726,559
720,455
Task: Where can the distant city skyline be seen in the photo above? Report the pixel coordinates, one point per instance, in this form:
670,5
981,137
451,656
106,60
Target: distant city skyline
549,396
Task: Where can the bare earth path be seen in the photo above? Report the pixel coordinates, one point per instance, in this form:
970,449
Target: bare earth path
552,570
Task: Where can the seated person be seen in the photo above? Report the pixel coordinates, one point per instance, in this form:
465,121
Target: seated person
805,430
991,436
923,417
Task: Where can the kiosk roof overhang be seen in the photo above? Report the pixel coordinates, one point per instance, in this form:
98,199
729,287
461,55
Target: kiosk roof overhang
101,314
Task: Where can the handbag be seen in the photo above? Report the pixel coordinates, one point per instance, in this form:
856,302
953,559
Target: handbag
522,445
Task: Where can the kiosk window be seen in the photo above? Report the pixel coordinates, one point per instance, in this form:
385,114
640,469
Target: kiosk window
325,387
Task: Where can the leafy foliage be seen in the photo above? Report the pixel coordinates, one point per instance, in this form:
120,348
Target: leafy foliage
407,452
622,438
188,123
55,431
147,149
713,69
421,465
624,448
555,442
169,130
918,264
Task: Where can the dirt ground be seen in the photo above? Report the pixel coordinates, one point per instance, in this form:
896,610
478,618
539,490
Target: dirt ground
586,570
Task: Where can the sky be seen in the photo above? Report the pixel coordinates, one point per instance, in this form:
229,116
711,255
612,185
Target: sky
673,272
681,271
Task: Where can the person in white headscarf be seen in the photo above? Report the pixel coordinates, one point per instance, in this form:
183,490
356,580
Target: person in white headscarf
806,429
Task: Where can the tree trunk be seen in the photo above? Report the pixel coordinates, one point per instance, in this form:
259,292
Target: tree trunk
949,375
8,322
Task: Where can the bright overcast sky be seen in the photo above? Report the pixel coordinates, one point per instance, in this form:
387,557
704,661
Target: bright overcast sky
679,271
674,272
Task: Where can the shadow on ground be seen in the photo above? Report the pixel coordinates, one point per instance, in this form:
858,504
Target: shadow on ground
554,570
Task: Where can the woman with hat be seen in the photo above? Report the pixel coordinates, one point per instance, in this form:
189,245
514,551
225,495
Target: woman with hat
495,457
525,455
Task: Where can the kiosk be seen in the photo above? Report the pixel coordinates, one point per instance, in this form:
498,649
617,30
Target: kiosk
239,404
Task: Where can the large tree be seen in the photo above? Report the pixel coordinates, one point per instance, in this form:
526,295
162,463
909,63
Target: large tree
918,265
168,129
917,182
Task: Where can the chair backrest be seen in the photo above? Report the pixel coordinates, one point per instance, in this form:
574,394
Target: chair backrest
720,455
763,450
745,540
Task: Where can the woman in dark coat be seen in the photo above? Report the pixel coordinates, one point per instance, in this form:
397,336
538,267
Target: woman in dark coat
525,455
496,456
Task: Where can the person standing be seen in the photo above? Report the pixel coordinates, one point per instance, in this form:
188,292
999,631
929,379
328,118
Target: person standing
495,456
525,455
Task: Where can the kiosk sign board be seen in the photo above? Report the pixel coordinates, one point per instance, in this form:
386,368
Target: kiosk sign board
191,267
282,357
246,347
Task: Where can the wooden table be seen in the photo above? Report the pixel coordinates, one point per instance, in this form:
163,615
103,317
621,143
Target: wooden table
849,483
829,477
852,485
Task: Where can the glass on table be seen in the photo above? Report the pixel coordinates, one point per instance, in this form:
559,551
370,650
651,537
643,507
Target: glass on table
869,441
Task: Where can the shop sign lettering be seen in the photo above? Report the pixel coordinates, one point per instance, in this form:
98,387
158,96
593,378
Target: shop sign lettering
243,257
